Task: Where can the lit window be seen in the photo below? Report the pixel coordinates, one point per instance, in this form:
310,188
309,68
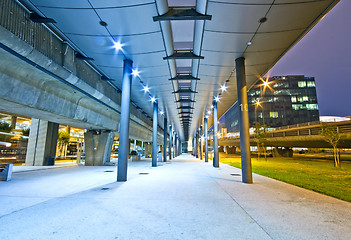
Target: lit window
273,114
293,99
305,98
260,115
312,106
235,123
311,84
300,99
301,83
296,106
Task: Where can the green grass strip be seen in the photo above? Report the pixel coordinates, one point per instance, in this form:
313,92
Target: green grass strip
317,175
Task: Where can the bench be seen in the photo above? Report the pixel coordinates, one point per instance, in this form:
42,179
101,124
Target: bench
5,171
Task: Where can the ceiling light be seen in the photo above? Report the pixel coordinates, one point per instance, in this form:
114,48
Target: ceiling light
117,45
211,106
249,43
224,87
146,89
206,116
162,112
209,112
216,98
103,23
262,20
135,72
266,83
153,99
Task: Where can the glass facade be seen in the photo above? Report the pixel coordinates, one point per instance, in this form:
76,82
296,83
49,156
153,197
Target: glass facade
287,100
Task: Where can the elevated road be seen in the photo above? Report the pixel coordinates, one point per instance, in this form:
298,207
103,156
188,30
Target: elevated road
298,135
42,77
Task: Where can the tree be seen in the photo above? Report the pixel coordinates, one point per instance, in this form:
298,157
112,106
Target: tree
332,136
5,127
63,140
261,135
25,131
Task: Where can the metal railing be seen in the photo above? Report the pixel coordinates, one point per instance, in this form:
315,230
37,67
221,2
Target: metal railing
305,129
14,18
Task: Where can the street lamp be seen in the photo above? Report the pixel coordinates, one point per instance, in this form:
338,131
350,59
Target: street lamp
257,104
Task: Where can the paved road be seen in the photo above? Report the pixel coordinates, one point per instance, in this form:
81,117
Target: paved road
182,199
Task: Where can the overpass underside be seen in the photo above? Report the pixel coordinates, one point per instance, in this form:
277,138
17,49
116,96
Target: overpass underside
42,78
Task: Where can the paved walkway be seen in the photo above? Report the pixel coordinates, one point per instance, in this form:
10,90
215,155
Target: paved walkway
182,199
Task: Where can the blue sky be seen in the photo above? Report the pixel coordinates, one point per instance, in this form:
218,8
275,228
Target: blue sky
325,53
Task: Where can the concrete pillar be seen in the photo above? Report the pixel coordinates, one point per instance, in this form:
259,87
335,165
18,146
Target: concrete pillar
98,146
165,129
135,143
41,149
282,152
154,135
170,142
244,121
13,122
215,136
123,153
79,150
206,139
148,150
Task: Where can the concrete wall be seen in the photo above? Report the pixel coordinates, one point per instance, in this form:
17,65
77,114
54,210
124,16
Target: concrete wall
42,143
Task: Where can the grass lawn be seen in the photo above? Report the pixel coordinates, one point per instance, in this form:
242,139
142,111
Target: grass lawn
317,175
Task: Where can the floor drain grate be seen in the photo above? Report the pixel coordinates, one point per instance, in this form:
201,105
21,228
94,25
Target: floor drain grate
235,174
108,171
105,188
143,173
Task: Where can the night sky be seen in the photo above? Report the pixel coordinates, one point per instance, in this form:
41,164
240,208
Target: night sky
325,53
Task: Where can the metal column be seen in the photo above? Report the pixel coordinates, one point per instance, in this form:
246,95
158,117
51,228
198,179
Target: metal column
165,129
179,147
206,140
173,144
215,136
176,145
244,121
170,142
201,158
154,135
124,122
195,144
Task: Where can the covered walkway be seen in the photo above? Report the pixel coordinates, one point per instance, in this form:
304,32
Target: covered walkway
181,199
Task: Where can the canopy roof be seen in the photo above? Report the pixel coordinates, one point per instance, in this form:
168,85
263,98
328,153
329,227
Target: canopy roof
261,31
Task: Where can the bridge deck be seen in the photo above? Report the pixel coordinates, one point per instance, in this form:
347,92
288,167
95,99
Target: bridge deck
183,199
